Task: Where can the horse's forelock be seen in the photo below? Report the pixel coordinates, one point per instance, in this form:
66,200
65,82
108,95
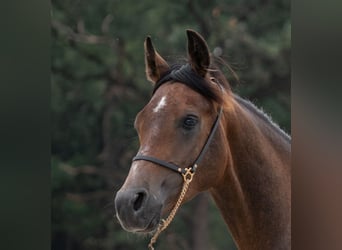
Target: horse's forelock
185,75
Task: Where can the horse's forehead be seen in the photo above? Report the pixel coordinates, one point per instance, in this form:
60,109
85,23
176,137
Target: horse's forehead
173,97
161,104
171,101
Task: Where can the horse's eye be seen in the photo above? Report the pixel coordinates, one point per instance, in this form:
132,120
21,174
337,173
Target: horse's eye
190,122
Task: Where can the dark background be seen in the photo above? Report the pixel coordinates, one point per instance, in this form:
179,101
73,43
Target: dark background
25,114
98,85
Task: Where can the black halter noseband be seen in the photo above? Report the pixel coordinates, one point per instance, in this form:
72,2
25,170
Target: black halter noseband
193,167
183,74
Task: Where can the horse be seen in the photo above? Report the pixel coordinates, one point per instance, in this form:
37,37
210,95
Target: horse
196,135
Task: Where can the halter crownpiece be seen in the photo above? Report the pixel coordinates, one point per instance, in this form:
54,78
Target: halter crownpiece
187,174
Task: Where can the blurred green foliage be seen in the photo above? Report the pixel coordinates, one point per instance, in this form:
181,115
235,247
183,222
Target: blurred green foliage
98,85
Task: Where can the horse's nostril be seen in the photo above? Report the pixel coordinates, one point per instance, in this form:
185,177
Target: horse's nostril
138,200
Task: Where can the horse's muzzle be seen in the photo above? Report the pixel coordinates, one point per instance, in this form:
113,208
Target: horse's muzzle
137,210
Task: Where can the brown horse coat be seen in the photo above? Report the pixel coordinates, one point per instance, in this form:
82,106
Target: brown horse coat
247,168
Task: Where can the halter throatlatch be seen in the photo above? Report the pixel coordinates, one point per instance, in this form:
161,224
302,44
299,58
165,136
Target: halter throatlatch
187,174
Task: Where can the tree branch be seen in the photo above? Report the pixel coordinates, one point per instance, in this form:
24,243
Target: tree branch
78,37
79,170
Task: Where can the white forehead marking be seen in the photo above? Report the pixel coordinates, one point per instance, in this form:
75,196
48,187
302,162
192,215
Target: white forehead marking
160,105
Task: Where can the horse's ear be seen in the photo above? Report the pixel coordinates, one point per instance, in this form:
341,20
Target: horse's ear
155,65
198,52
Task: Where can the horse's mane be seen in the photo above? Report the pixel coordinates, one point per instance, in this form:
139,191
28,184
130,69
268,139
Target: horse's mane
263,116
183,73
186,75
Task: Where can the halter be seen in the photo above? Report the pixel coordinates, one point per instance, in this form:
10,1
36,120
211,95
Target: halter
187,174
193,167
181,74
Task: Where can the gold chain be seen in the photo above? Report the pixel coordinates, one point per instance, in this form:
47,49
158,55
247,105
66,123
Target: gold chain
187,177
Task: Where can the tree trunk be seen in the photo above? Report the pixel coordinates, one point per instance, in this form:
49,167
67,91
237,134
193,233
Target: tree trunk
200,223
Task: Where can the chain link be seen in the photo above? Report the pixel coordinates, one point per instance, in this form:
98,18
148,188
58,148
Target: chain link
187,177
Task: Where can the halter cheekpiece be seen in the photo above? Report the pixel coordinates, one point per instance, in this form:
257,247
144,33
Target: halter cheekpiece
194,166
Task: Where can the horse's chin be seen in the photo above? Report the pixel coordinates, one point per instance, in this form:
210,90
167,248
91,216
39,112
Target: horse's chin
145,232
150,228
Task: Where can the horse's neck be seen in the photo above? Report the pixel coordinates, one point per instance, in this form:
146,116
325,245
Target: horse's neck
254,197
